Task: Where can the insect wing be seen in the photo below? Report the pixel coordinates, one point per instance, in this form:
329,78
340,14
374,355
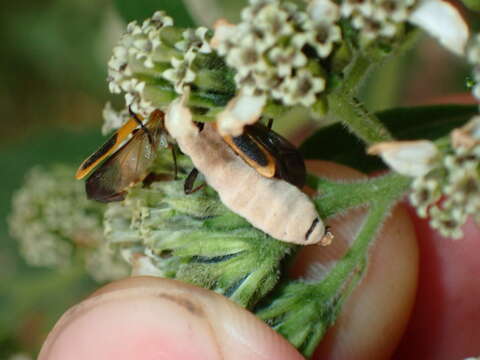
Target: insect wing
253,153
106,149
290,165
270,154
126,167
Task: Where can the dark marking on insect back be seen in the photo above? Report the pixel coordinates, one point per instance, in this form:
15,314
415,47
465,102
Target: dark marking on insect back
309,232
100,152
250,149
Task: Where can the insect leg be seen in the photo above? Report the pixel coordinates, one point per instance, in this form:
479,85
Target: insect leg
175,167
270,123
190,180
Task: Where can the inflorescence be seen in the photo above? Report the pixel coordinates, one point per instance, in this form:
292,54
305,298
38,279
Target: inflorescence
377,18
450,193
154,51
54,222
276,49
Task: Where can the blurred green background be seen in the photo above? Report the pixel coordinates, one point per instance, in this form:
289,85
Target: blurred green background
52,91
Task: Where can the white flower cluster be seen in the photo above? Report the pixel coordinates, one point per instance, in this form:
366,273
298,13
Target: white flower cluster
267,49
50,214
450,193
52,218
473,56
136,49
181,73
377,18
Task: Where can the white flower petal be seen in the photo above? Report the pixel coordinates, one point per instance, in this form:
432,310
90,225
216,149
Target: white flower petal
323,11
444,22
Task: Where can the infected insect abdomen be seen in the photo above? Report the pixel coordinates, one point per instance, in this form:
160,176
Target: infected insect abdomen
272,205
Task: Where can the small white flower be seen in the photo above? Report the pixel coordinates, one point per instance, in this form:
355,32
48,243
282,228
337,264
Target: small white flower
411,158
180,75
426,191
247,57
272,20
323,11
161,19
302,89
194,40
322,36
286,59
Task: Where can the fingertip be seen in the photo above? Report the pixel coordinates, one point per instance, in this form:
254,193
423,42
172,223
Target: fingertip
152,318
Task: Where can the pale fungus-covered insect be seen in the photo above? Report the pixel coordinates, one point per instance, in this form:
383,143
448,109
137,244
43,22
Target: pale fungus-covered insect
272,205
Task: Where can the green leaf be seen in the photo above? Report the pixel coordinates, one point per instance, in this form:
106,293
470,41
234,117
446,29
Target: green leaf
141,9
335,143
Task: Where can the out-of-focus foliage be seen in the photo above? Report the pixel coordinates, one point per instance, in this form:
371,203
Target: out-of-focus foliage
139,10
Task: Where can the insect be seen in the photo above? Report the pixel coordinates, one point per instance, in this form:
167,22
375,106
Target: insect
273,205
125,164
270,154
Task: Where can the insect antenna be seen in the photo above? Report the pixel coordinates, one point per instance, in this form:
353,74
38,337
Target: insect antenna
139,121
270,124
175,167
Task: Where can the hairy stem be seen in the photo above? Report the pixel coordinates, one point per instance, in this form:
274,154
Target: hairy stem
349,110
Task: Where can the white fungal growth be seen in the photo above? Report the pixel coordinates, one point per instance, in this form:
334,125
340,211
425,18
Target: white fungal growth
411,158
242,110
444,22
271,205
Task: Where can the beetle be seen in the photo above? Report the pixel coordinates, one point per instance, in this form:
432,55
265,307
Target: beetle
270,154
127,163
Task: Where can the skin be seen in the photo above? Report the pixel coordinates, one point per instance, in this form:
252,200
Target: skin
152,318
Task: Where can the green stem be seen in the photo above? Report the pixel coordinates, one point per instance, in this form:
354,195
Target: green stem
357,72
303,311
334,197
357,118
346,274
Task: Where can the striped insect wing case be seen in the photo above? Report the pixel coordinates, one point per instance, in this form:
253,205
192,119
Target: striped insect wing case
270,154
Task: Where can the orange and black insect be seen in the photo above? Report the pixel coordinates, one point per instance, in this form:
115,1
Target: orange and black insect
126,163
270,154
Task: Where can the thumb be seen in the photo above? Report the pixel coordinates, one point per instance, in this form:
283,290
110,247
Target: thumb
152,318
